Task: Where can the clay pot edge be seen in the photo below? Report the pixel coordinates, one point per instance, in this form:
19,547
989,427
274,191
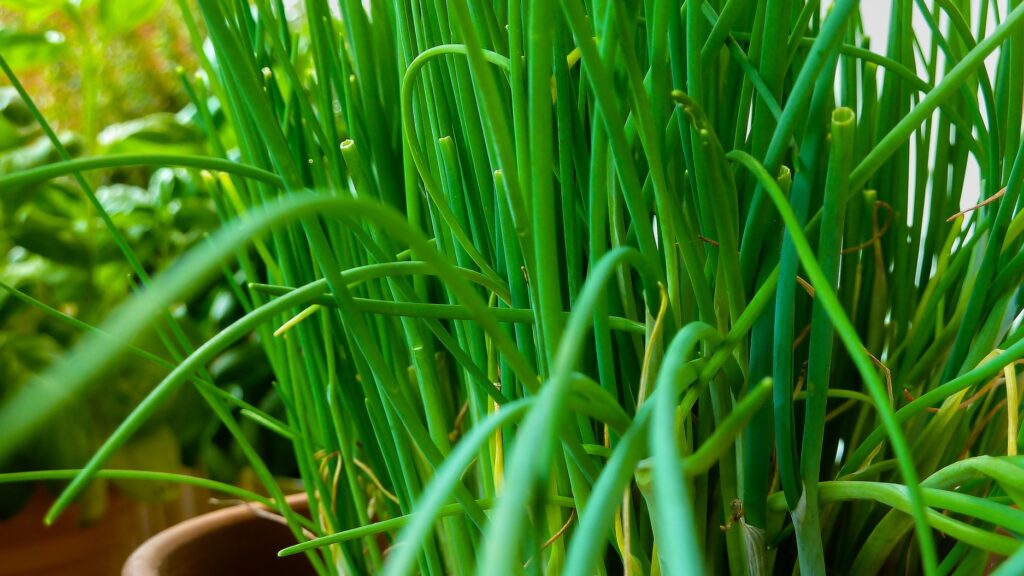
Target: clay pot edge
146,559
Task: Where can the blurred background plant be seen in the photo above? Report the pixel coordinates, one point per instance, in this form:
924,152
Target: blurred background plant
107,78
92,63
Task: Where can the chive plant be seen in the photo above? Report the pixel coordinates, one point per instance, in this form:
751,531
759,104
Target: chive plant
595,286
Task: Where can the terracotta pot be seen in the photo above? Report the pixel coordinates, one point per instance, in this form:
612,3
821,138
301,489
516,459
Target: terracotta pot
235,540
28,548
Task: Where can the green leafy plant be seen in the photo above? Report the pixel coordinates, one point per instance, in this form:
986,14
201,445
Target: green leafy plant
536,269
55,251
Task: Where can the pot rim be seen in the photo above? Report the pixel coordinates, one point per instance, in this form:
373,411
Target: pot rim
147,558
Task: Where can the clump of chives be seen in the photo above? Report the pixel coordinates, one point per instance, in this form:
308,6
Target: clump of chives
536,301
